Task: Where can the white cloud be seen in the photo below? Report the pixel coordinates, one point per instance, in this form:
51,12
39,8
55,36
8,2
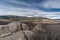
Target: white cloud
29,13
52,4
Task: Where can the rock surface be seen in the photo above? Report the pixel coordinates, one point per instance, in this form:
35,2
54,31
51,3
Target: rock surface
21,31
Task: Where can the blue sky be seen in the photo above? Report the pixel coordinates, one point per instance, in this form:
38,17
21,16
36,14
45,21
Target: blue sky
44,8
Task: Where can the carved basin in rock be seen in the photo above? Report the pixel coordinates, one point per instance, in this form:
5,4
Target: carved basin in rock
9,27
4,28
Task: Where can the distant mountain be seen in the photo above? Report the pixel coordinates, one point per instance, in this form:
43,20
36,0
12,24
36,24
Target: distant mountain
13,16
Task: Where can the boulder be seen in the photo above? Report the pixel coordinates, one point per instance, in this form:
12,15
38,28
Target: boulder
29,35
37,29
40,31
25,27
21,36
13,27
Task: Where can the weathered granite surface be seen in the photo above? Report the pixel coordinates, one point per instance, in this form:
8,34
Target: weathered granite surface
27,31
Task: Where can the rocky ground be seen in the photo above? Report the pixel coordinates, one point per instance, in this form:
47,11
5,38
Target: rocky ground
31,31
